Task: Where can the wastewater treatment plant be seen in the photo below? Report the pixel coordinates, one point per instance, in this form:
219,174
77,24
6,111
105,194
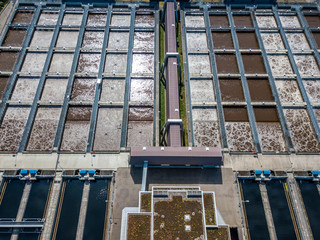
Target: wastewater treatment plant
160,120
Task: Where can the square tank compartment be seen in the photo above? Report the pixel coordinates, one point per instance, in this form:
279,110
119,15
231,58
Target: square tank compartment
143,40
72,19
54,89
48,19
8,61
231,90
141,90
41,39
253,63
247,40
96,19
23,17
218,21
116,64
260,90
222,40
118,40
61,62
227,63
112,90
83,89
93,39
34,62
15,37
3,85
89,62
202,91
25,89
241,21
313,21
67,39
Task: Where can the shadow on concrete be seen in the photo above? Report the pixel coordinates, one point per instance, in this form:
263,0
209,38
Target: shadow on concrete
184,176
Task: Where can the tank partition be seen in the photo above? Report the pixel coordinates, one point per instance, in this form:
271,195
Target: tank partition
311,198
282,212
68,210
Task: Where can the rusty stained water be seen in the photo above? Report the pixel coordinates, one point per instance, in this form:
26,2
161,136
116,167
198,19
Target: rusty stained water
140,126
120,20
313,21
253,63
222,40
143,40
116,64
54,89
7,61
88,62
93,39
218,21
288,91
199,64
260,90
144,20
96,19
247,40
201,91
73,19
290,22
269,130
34,62
23,17
231,90
297,41
48,19
41,39
194,21
316,38
12,128
61,63
15,37
266,22
25,89
143,64
67,39
76,129
238,130
302,133
3,85
272,41
313,89
141,90
112,90
118,40
108,130
227,63
44,129
206,129
83,89
280,64
306,64
241,21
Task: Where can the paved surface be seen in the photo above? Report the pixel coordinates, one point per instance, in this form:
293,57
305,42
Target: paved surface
267,211
299,209
52,207
83,210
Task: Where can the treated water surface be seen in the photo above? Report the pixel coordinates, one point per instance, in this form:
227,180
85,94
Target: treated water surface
280,210
227,63
112,90
247,40
118,40
34,62
3,85
260,89
313,21
93,39
8,61
241,21
15,37
306,64
89,63
96,212
266,22
290,22
253,63
222,40
202,91
141,90
41,39
297,41
194,21
11,200
231,90
37,199
48,19
272,41
254,209
311,199
219,21
288,91
67,39
280,64
313,89
199,64
83,89
144,20
23,17
95,19
72,19
25,89
144,40
68,221
54,89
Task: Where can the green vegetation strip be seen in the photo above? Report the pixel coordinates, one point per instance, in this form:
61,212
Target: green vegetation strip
221,233
2,4
139,227
145,202
209,209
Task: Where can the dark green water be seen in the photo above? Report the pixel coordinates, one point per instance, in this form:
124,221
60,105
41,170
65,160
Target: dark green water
68,221
280,210
37,199
11,199
255,212
96,211
311,199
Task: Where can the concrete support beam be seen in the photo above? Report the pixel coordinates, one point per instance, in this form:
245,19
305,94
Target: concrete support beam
52,207
298,207
83,210
267,210
22,208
